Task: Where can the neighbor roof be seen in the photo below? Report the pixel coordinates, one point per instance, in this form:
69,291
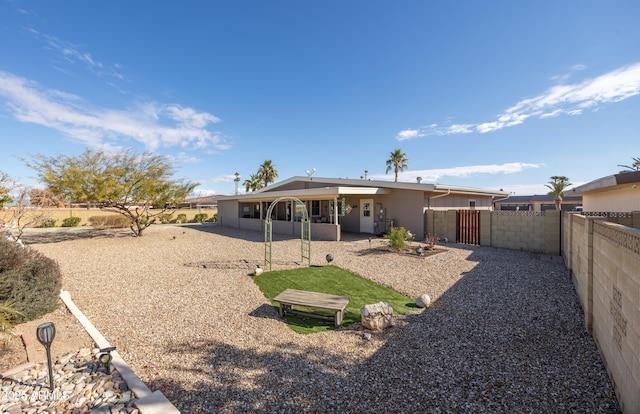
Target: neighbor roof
537,198
608,183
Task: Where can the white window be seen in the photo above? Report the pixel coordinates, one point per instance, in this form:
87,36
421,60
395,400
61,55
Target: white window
315,208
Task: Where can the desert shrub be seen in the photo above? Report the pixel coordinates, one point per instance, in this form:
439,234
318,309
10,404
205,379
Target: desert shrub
109,221
214,218
200,218
7,314
71,222
398,237
166,218
48,223
182,218
29,281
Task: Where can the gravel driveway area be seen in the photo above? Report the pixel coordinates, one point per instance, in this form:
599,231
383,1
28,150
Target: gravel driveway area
505,331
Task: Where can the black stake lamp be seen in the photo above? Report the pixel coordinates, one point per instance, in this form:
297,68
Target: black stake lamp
105,357
46,332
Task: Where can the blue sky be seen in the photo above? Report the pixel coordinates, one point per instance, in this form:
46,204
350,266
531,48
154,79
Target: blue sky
495,94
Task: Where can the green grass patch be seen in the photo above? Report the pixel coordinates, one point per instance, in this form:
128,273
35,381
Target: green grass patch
332,280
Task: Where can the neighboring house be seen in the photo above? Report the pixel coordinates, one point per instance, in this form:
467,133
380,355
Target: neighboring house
615,193
200,202
537,203
336,205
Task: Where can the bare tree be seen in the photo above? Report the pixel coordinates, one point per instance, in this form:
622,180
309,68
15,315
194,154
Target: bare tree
17,211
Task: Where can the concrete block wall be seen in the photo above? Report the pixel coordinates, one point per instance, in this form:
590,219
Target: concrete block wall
537,232
531,231
603,259
616,307
442,223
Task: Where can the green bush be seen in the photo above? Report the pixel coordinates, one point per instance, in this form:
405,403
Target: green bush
29,281
7,314
48,223
166,218
182,218
398,237
200,218
71,222
214,218
109,221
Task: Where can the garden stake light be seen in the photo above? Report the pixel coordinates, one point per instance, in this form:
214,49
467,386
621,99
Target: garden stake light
46,332
104,358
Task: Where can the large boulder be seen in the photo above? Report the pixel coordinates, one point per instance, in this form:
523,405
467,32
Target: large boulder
377,316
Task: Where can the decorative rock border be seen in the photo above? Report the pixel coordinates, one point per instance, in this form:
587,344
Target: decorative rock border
83,385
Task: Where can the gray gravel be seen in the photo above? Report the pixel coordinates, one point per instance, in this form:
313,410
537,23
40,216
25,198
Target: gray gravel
505,331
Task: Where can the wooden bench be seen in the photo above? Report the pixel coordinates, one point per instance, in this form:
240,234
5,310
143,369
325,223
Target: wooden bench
313,300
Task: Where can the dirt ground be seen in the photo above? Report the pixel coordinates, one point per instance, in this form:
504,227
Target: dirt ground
70,336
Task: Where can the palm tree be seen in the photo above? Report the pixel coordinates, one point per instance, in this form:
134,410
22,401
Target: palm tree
635,166
557,185
253,183
398,160
267,172
237,181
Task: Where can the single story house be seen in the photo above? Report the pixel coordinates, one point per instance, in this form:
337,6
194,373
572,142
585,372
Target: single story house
615,193
336,205
537,202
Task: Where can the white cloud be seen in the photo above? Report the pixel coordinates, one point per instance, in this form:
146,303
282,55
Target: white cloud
573,99
407,134
154,125
434,175
72,53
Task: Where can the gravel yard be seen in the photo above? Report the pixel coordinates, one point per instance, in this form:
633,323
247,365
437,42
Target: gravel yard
504,333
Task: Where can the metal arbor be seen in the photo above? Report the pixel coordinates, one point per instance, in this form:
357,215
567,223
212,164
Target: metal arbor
305,231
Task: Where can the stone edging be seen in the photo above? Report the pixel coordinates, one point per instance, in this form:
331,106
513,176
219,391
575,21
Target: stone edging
147,402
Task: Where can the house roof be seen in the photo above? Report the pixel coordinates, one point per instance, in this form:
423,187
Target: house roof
540,198
608,183
329,188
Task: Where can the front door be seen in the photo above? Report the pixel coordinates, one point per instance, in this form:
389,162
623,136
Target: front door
366,216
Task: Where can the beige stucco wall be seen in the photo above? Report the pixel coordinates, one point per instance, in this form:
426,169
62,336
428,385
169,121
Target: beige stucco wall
59,214
603,260
624,198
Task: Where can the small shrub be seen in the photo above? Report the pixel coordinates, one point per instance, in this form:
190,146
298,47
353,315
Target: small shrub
182,218
398,237
166,218
29,282
7,314
200,218
71,222
213,219
48,223
109,221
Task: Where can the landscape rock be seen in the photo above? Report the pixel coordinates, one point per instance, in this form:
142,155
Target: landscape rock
423,301
377,316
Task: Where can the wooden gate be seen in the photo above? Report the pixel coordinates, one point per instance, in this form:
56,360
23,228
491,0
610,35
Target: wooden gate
468,226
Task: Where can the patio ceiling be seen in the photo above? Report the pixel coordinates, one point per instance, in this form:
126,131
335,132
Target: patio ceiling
326,193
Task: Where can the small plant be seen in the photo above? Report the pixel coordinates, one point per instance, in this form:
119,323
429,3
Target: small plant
48,223
71,222
201,217
398,237
431,241
166,218
8,313
110,221
182,218
214,218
